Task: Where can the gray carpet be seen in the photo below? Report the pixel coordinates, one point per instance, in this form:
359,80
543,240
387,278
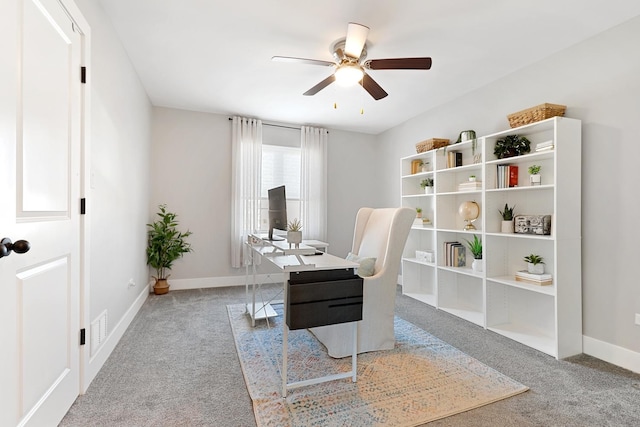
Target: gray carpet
177,366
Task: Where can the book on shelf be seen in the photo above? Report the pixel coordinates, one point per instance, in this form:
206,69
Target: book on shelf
455,254
454,159
513,175
507,176
459,256
470,186
543,146
533,276
534,279
534,282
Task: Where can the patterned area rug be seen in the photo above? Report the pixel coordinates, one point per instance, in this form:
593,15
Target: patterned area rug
422,379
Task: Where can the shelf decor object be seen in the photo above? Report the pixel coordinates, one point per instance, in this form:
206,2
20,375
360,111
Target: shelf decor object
469,211
542,311
535,114
431,144
533,224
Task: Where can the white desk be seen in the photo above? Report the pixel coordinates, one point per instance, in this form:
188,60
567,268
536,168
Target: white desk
290,260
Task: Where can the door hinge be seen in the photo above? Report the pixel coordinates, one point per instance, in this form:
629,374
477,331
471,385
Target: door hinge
83,206
83,74
82,336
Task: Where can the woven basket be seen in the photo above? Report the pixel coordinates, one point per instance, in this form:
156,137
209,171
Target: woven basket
535,114
431,144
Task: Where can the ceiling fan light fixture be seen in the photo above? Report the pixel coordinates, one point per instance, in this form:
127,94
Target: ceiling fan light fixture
349,74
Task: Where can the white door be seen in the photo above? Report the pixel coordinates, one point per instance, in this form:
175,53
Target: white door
40,141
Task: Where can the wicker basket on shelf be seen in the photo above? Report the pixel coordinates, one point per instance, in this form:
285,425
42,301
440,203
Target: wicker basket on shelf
431,144
535,114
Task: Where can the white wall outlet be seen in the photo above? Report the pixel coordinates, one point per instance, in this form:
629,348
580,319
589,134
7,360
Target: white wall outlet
638,319
131,283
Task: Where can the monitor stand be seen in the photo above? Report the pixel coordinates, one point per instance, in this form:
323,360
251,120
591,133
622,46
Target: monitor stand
273,237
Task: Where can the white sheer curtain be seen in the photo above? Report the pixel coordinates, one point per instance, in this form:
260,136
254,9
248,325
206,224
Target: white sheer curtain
246,166
313,182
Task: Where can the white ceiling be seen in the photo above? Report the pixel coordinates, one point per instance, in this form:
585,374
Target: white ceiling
215,56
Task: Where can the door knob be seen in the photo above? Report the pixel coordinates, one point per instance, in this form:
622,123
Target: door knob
19,247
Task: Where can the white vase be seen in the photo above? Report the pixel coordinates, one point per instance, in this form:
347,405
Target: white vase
476,265
535,268
507,227
535,179
428,190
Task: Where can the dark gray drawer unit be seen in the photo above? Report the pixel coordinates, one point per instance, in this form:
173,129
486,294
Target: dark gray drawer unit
323,297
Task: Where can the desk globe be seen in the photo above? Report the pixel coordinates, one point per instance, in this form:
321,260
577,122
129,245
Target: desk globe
469,211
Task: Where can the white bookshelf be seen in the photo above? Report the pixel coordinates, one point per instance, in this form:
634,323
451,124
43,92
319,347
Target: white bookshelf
547,318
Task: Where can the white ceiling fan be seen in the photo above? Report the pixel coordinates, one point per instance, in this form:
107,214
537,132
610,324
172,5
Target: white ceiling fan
350,63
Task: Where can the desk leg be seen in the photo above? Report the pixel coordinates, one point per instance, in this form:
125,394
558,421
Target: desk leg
285,339
285,336
354,355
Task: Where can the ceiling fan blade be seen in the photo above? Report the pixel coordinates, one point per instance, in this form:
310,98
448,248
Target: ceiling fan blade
317,88
398,64
356,38
303,61
374,89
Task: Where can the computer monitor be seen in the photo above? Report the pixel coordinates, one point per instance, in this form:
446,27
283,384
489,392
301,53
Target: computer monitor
277,211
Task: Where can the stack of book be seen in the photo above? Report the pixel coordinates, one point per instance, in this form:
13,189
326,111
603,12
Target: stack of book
454,254
507,176
534,279
544,146
454,159
470,186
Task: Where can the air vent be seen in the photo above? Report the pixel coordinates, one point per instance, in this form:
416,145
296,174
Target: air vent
98,332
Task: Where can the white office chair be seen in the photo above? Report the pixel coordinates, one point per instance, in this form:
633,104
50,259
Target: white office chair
380,234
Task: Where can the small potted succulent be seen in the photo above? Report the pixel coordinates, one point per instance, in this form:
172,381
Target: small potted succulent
535,264
475,247
534,174
427,184
418,212
294,232
507,218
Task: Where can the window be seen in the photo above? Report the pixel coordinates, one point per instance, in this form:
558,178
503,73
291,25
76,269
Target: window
280,166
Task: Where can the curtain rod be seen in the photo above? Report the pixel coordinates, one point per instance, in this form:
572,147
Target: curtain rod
277,126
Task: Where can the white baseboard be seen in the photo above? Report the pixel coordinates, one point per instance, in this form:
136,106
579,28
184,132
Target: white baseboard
219,282
611,353
97,361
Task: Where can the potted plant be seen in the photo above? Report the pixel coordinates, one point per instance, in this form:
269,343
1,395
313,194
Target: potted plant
164,246
294,232
507,218
534,174
535,264
511,145
475,247
472,178
418,212
427,184
424,166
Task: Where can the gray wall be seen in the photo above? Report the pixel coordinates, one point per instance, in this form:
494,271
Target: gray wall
191,173
117,202
598,81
